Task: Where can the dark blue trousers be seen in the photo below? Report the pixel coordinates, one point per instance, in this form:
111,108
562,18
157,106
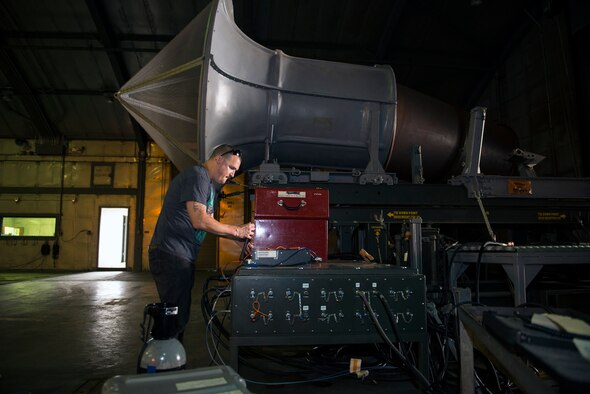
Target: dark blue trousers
174,279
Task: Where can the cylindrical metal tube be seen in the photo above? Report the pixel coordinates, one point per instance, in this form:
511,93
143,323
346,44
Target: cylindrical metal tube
416,244
315,114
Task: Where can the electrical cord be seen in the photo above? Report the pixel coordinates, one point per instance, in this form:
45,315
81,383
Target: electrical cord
311,380
323,360
207,308
34,259
216,340
443,335
451,261
284,262
392,320
415,372
289,257
445,243
480,383
436,330
215,328
299,367
243,254
478,264
481,250
312,363
76,235
496,378
218,325
334,375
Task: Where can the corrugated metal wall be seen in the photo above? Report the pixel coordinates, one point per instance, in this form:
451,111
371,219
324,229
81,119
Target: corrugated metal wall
534,94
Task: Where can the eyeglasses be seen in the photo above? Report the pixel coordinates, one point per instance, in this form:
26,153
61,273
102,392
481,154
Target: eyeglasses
235,152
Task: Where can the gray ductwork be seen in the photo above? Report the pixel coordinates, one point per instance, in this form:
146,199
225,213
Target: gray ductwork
212,85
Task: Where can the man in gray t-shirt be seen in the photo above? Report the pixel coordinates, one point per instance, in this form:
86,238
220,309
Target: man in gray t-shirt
185,218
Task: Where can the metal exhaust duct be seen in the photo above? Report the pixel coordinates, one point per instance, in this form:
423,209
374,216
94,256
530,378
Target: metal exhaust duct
212,84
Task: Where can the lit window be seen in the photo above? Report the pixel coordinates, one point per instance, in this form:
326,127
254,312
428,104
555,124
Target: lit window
28,226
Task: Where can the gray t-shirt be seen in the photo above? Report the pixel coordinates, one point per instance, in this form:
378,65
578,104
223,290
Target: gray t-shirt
174,231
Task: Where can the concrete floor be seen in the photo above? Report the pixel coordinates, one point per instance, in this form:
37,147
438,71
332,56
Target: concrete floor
69,333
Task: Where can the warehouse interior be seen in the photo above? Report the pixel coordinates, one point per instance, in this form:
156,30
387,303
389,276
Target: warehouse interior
421,168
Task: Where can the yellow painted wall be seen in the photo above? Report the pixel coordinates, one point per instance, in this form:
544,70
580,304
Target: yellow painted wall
231,211
78,240
156,181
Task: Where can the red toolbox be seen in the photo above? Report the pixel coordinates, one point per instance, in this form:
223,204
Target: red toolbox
292,218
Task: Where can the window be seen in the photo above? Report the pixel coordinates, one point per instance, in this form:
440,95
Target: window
29,226
103,174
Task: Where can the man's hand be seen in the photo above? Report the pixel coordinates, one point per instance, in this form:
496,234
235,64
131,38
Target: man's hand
245,231
249,248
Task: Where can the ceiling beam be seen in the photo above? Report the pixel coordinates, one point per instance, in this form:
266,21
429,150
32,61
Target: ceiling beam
79,48
40,120
57,92
387,37
471,99
106,37
60,35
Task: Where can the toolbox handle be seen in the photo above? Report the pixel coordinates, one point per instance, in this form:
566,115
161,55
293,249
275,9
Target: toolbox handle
282,204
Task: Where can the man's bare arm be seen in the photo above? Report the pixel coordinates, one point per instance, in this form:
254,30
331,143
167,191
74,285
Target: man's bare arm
203,221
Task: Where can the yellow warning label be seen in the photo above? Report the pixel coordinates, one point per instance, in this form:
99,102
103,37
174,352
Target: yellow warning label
403,214
551,216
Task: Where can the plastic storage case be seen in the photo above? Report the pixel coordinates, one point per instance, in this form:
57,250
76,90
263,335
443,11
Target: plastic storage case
221,379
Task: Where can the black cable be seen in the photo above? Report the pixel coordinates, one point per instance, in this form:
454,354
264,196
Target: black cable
456,323
75,236
392,320
481,250
215,327
311,253
417,374
218,335
304,367
477,269
291,362
443,348
452,260
206,307
313,369
243,252
28,262
324,360
218,341
478,264
497,379
439,333
443,246
210,315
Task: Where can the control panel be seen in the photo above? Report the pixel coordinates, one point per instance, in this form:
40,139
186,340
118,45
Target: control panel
334,300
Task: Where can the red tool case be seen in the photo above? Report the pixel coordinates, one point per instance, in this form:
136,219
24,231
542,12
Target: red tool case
292,218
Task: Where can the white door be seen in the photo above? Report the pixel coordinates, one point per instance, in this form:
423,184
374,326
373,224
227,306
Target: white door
112,238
